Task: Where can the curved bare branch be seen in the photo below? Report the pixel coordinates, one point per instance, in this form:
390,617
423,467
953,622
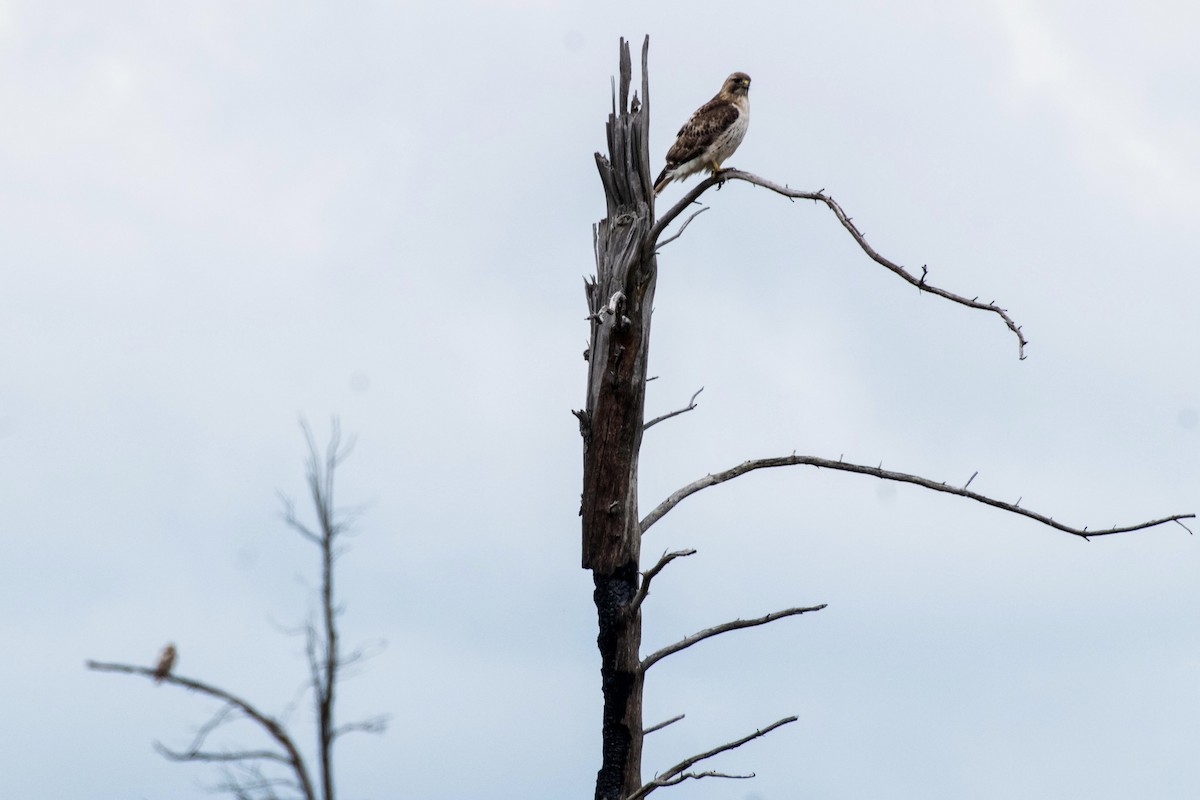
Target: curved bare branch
716,630
269,725
902,477
682,228
652,243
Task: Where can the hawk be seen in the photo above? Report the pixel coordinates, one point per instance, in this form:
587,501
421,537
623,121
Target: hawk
166,660
711,134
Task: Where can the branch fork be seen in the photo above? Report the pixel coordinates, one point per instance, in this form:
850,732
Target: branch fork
678,773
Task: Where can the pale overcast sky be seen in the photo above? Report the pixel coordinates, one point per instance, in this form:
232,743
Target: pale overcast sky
220,217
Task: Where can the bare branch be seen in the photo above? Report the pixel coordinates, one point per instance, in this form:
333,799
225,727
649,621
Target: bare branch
682,228
683,776
349,663
195,753
847,223
724,627
371,725
901,477
668,778
208,756
289,517
320,478
270,726
648,576
662,724
691,405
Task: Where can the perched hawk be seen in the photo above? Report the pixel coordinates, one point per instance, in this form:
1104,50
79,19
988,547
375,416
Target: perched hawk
712,133
166,660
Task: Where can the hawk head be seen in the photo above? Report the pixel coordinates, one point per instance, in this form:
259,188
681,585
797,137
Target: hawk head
737,84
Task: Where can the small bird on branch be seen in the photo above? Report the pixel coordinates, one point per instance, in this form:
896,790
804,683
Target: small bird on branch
166,660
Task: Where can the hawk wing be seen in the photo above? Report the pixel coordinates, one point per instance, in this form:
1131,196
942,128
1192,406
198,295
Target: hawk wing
699,132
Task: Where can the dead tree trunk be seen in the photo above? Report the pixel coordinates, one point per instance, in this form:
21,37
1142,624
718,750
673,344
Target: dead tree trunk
620,300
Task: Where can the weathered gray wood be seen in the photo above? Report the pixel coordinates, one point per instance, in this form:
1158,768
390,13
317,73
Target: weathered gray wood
620,300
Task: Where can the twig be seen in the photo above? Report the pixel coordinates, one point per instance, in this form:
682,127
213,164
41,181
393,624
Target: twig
879,472
711,773
691,405
259,783
376,724
716,630
682,228
214,757
668,777
649,574
663,724
847,223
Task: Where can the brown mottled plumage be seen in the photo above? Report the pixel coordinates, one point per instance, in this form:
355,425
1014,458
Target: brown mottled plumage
166,660
711,134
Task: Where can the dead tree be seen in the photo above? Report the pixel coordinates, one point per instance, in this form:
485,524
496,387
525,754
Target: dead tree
259,774
620,300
